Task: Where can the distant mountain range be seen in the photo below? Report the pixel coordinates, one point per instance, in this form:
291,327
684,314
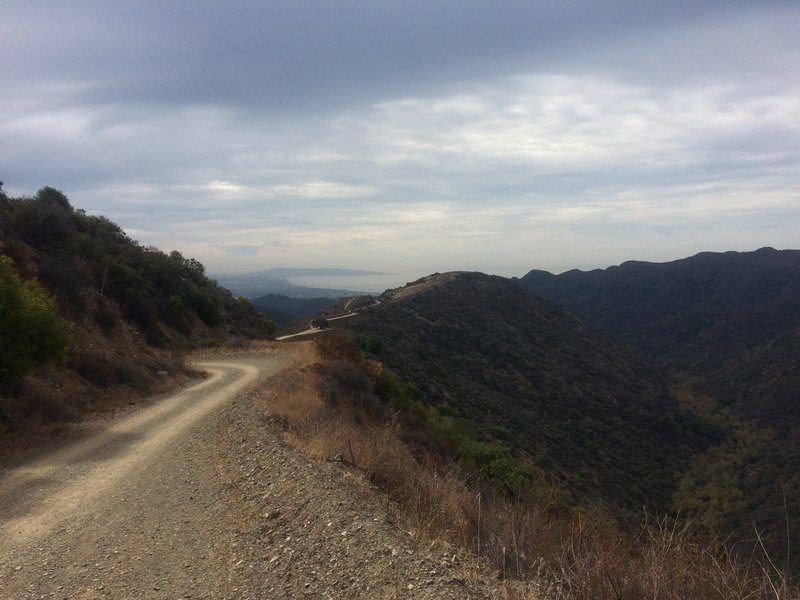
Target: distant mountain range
276,281
733,318
288,273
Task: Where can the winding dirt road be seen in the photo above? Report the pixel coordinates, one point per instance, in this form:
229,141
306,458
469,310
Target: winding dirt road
198,495
136,510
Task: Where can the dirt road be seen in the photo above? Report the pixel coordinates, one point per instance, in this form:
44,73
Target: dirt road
134,511
199,496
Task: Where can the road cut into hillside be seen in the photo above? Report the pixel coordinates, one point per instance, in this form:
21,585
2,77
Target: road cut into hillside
117,511
197,495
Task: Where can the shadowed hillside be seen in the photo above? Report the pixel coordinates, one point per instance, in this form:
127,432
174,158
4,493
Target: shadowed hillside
593,414
123,308
733,318
732,321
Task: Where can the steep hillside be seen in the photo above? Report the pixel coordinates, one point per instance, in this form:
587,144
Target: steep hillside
125,309
590,412
733,318
733,321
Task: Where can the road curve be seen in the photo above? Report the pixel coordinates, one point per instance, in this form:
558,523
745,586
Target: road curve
132,511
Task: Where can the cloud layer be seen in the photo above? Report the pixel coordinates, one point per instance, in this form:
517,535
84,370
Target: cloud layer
423,136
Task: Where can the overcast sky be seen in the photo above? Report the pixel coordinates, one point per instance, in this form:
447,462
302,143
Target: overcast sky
411,135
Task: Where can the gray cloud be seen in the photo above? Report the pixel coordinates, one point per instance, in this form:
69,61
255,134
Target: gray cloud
397,135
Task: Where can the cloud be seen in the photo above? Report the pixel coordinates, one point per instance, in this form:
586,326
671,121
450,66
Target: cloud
418,176
372,134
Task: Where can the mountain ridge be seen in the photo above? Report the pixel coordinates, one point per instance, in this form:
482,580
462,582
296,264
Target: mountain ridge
495,358
732,321
722,315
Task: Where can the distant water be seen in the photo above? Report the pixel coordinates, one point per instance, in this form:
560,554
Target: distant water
374,284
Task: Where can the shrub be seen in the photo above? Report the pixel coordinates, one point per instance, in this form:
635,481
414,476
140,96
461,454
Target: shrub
43,225
264,328
31,332
205,307
52,196
107,315
175,315
338,345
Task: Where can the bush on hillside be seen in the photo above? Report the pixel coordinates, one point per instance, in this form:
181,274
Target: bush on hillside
31,332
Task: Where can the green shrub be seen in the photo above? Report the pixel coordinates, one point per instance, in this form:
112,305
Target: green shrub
205,307
264,328
31,332
175,315
370,343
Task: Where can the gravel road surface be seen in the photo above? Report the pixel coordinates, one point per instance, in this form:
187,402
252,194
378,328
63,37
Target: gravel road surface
197,495
136,510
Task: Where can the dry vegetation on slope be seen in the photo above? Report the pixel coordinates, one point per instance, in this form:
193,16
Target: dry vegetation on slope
728,325
330,410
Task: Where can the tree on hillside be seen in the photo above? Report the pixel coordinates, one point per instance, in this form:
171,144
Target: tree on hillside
48,195
320,322
31,332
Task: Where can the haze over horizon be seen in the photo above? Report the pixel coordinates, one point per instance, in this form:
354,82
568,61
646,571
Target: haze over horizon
412,137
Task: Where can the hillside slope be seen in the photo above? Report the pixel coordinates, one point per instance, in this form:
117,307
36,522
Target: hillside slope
126,308
593,414
733,318
733,321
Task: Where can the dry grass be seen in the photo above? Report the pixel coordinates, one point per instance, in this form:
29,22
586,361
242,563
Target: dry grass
541,551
